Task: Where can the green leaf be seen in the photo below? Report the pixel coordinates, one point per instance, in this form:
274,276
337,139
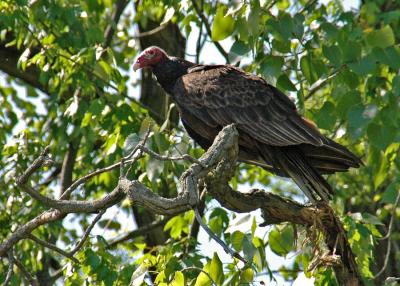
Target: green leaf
389,56
281,241
285,83
330,30
147,124
371,219
253,18
333,54
351,50
325,117
23,59
391,192
111,143
272,66
179,279
363,66
103,70
281,46
236,240
282,27
253,226
87,118
215,225
237,51
92,259
138,276
216,271
380,135
396,85
308,70
248,248
359,117
176,225
96,106
346,101
381,38
298,25
203,279
130,143
223,26
160,277
247,275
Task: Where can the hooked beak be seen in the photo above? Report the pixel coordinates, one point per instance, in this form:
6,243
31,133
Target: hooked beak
136,66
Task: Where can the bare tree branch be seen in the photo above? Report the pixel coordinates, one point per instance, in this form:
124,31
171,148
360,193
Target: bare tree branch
10,271
21,232
69,161
387,236
52,247
73,206
137,232
21,180
150,32
26,273
110,30
87,232
184,157
215,167
322,82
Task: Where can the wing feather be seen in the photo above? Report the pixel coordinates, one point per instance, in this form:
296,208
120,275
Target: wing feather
221,95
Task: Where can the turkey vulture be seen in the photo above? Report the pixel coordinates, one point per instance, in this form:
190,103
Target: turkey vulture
271,132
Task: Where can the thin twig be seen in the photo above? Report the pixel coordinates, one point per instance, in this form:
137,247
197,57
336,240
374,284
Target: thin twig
322,82
208,29
138,155
52,247
387,236
226,248
385,263
184,157
110,29
393,214
10,271
32,168
83,179
25,272
150,32
137,232
87,232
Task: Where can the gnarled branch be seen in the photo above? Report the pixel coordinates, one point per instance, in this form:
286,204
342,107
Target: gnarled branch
215,168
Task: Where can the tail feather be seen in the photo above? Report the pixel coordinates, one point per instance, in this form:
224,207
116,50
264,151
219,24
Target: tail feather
295,164
331,152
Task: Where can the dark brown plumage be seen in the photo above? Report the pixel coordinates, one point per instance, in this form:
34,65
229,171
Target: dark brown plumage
271,132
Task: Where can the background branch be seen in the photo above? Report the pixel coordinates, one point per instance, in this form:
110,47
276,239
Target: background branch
208,29
26,273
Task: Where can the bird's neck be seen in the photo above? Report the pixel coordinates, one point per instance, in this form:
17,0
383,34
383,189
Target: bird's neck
169,70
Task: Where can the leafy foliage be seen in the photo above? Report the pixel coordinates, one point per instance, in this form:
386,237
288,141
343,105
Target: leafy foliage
71,89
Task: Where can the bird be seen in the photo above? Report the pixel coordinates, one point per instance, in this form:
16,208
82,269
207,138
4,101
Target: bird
272,134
